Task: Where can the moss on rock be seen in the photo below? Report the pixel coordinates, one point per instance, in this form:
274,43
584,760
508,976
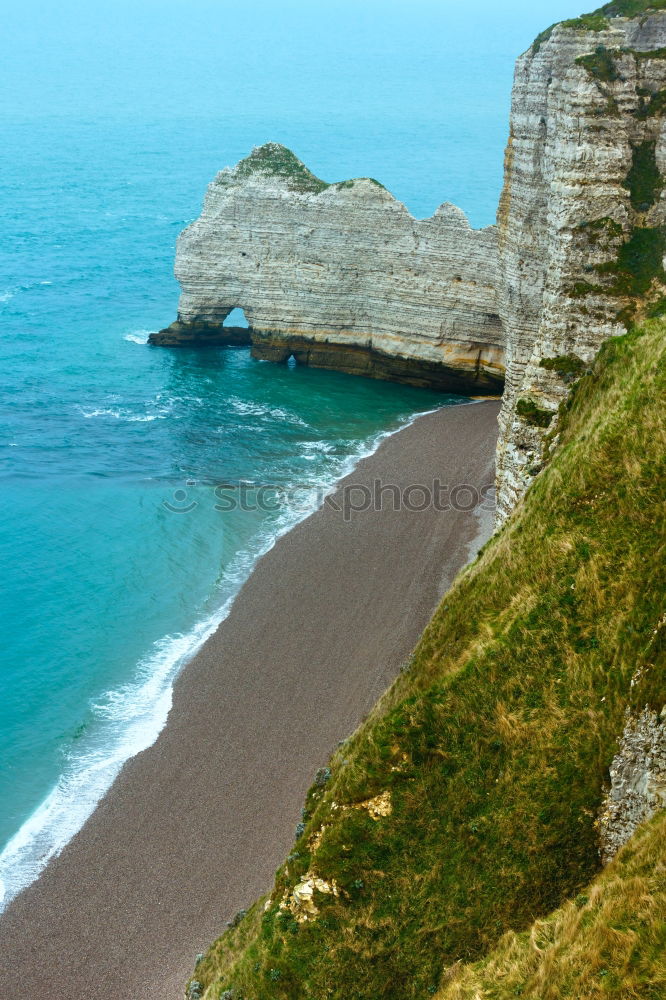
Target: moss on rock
644,181
532,413
600,64
564,365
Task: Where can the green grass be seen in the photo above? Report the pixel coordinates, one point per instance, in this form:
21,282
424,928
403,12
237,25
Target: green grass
605,229
494,743
582,288
651,105
565,365
639,261
598,20
630,8
587,22
533,414
657,309
609,943
542,37
643,181
600,64
276,160
645,54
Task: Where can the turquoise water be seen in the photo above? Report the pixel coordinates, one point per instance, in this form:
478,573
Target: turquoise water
116,562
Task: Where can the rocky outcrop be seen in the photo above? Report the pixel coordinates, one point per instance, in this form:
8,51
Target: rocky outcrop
638,781
341,276
581,237
201,334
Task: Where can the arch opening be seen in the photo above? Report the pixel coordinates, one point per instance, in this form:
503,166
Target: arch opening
237,318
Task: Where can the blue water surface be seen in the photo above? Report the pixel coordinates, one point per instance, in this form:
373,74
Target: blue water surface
115,561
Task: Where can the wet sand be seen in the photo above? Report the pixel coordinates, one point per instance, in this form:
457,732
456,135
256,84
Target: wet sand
195,826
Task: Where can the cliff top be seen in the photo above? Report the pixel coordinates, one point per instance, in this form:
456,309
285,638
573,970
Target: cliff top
600,19
275,160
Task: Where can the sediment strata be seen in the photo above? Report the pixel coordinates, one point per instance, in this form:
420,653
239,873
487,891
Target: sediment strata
341,276
581,218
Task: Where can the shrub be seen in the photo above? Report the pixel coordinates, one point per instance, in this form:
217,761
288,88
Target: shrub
532,414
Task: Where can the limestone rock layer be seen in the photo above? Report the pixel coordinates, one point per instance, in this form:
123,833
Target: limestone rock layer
581,237
341,276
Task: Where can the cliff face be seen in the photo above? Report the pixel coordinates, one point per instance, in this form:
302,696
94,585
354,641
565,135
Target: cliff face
341,276
580,218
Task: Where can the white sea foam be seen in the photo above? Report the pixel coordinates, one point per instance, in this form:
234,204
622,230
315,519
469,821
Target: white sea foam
318,446
129,719
248,408
138,336
9,293
122,414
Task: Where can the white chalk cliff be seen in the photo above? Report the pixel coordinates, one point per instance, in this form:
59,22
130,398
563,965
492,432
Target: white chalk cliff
581,218
341,276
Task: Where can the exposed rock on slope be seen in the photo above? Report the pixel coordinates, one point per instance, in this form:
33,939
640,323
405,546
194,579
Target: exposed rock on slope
341,276
638,781
581,216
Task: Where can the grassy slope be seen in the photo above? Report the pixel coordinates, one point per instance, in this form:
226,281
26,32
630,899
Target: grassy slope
607,944
495,742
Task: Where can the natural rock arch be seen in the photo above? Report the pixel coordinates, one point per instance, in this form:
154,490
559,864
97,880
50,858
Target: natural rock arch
341,276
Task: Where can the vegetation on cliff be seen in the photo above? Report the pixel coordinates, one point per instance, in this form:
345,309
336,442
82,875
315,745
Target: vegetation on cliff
278,161
465,808
609,942
599,19
273,159
637,265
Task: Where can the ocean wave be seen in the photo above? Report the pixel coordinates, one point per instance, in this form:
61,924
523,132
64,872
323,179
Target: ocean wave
9,293
120,414
247,408
318,447
129,719
138,336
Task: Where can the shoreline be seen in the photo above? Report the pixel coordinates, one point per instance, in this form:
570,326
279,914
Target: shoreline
36,839
194,826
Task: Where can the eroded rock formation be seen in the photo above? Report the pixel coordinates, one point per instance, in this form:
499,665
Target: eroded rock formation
341,276
638,781
581,217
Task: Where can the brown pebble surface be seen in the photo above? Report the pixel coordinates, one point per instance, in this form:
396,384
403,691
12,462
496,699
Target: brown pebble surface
195,826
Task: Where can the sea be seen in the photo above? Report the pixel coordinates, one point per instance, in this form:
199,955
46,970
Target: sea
118,557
